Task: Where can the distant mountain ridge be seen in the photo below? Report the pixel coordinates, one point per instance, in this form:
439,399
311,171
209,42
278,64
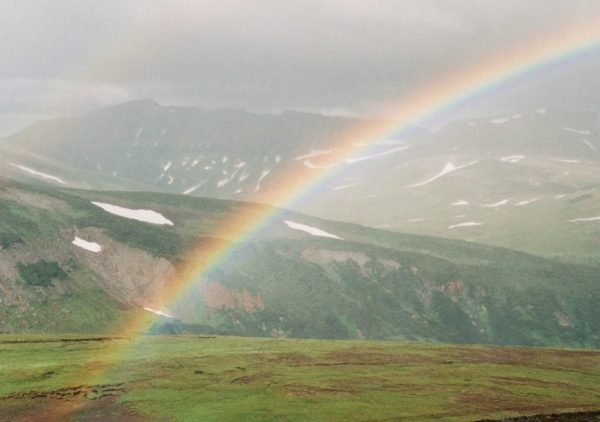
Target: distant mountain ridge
221,153
501,180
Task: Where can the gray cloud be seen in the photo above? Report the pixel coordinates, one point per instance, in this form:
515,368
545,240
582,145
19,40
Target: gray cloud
345,56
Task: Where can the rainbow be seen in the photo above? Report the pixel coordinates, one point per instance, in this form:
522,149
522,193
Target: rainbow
437,99
478,79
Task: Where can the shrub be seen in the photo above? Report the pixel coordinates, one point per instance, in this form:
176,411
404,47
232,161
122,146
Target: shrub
9,239
40,273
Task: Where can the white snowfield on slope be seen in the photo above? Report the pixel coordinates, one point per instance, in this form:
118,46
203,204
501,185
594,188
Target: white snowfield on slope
310,230
88,246
145,216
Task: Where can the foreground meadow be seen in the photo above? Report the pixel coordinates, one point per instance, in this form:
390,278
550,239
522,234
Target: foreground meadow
228,378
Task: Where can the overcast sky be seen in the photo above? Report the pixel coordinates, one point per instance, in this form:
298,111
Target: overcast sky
338,57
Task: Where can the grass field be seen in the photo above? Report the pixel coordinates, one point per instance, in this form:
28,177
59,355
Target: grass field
195,378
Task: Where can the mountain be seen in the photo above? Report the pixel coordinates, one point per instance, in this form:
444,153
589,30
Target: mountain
140,144
84,261
527,180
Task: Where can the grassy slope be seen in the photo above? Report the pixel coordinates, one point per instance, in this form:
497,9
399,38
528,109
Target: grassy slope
437,289
541,227
381,194
229,378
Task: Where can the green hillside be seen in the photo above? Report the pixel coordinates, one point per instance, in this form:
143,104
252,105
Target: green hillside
526,180
284,282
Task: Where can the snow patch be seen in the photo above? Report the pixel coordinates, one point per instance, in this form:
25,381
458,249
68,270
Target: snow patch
585,219
379,154
512,158
145,216
278,158
467,224
577,131
448,168
88,246
589,144
39,173
167,166
495,204
567,161
310,230
460,202
161,313
340,187
310,165
541,111
243,177
224,159
500,121
264,174
313,153
139,132
526,202
193,188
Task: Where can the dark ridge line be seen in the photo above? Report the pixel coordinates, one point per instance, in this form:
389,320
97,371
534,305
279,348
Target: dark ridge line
592,416
63,340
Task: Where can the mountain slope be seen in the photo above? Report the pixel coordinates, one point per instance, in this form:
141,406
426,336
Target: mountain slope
222,153
527,180
300,277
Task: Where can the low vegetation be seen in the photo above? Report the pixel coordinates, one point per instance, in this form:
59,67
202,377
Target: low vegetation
373,284
41,273
227,378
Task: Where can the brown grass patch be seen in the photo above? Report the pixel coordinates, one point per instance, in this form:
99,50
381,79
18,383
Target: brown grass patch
80,391
252,378
535,358
302,390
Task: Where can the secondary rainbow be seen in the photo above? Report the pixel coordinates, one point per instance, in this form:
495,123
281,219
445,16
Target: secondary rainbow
572,43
